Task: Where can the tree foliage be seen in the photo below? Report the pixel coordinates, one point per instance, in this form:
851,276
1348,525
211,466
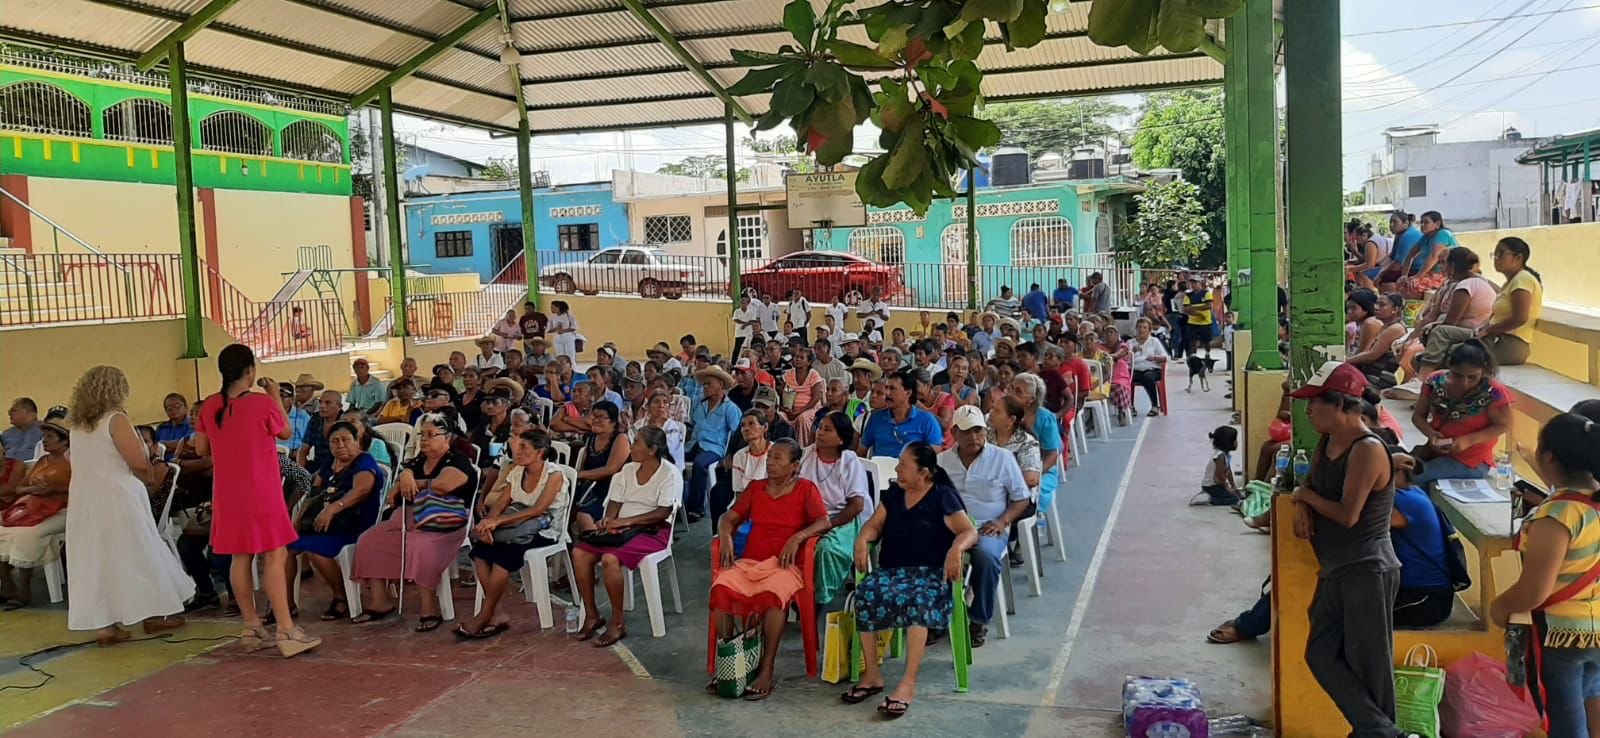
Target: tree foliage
708,166
1056,126
783,145
1169,227
498,167
1184,131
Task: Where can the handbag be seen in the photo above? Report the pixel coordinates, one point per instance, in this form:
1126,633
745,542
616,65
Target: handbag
347,521
438,513
738,659
30,510
603,539
522,533
1418,689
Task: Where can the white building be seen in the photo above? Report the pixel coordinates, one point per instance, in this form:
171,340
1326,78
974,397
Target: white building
1475,185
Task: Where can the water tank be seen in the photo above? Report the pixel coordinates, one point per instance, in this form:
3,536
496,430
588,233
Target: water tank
1087,163
1051,161
983,173
1010,167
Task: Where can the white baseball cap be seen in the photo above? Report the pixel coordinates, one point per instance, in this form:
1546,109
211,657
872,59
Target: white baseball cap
968,417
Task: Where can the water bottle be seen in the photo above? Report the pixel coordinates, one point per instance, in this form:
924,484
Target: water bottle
572,620
1302,467
1504,474
1282,480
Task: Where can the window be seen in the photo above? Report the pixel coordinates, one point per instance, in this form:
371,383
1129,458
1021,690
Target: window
752,237
452,244
605,257
579,236
312,141
884,244
668,229
636,258
38,107
139,119
235,133
1044,241
1417,186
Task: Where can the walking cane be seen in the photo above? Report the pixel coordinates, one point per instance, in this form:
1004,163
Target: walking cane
400,596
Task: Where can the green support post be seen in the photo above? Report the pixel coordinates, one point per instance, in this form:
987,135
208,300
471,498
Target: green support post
1260,115
1314,199
972,240
530,255
734,286
391,193
188,246
1236,148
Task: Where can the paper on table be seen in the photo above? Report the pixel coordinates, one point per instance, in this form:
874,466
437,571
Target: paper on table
1469,490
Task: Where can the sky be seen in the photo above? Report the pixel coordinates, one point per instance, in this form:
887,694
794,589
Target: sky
1411,62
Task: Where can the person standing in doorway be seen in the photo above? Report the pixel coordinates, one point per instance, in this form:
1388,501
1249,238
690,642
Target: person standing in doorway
1345,508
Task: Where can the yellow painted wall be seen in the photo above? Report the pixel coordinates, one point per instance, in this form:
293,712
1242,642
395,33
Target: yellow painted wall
114,217
1566,256
45,363
259,233
636,325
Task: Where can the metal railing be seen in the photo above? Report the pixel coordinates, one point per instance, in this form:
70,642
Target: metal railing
88,288
433,316
274,328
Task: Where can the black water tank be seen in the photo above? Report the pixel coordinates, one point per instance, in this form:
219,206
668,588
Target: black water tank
1009,167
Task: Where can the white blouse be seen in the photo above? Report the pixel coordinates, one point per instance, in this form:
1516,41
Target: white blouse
663,489
748,467
838,481
558,506
1146,353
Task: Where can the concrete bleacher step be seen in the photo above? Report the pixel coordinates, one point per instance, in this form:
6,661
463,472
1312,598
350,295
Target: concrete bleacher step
1545,393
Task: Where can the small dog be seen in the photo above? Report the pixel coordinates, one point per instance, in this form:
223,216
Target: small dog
1199,367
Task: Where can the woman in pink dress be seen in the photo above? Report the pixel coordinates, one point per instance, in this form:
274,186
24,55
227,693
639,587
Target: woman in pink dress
239,429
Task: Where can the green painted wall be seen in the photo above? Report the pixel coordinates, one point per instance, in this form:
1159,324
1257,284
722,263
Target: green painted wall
47,155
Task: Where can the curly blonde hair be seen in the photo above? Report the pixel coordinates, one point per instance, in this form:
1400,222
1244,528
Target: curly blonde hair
99,391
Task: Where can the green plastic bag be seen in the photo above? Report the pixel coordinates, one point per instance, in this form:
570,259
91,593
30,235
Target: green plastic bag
1257,500
1418,688
738,659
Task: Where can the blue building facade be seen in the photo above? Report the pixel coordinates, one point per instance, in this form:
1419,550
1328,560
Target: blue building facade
481,232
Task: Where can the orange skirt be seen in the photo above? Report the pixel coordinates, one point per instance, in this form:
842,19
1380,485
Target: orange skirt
752,587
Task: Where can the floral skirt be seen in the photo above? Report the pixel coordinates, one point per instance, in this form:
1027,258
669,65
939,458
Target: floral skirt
903,597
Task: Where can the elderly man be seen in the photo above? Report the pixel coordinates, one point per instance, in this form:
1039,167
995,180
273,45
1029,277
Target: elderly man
713,420
600,380
850,345
367,393
835,399
887,431
863,374
306,389
890,359
299,419
991,485
403,408
989,332
408,371
828,365
25,432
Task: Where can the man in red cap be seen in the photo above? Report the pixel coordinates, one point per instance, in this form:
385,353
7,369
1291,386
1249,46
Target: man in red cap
1344,508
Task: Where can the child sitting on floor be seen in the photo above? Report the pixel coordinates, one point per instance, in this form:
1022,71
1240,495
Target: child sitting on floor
1217,483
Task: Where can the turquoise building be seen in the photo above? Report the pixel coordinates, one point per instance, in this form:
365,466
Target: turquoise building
481,232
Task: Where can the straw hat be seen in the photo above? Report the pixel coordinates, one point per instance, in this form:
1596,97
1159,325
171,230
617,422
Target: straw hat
307,380
508,384
868,367
660,348
715,372
483,341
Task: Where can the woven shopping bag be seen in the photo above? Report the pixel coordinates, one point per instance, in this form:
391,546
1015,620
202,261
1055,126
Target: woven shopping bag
738,659
1418,688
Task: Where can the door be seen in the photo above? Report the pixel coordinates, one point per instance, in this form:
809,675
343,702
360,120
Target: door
594,275
507,240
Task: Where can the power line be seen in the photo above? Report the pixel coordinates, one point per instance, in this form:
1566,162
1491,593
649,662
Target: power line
1436,26
1449,54
1475,82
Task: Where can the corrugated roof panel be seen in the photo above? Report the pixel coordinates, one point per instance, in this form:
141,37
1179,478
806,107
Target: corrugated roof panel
424,95
617,59
733,15
286,20
472,70
635,88
229,52
579,30
484,39
434,16
1158,73
642,114
92,23
525,8
181,6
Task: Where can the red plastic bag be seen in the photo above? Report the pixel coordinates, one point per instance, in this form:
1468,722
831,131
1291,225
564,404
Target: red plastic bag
1479,704
1278,431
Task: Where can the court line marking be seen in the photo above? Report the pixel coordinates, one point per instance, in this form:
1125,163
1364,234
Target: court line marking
1058,669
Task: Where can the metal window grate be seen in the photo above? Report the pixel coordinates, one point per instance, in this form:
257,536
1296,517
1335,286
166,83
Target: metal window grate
37,107
452,244
235,133
1042,242
140,120
752,237
883,244
578,236
311,141
668,229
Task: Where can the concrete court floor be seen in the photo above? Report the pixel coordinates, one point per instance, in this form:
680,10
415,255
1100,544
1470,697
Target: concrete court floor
1161,578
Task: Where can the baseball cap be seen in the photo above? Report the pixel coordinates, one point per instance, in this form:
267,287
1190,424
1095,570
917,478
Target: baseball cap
765,396
59,411
1334,376
968,417
743,366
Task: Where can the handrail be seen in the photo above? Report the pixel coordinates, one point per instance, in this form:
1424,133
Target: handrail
70,234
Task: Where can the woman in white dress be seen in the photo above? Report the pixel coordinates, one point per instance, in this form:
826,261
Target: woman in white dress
565,329
118,569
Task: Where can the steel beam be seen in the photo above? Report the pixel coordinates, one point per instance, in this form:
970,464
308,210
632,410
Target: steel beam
730,164
439,46
183,173
185,30
667,39
972,239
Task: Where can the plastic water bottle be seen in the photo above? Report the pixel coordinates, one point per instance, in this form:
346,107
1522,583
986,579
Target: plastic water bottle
1302,467
1504,473
1281,479
572,620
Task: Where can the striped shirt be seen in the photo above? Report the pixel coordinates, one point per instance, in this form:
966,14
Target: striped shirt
1574,623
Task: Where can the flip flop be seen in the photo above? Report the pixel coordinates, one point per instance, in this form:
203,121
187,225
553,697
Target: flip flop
756,695
859,694
428,623
373,616
894,708
587,633
611,637
1218,635
336,609
484,633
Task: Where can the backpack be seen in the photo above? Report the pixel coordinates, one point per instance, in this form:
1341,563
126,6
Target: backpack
1455,555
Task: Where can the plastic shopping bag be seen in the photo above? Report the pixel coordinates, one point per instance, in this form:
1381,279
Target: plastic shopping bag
738,659
1479,703
838,641
1419,685
1258,499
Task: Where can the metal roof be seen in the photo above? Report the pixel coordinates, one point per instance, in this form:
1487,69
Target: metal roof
587,65
1567,148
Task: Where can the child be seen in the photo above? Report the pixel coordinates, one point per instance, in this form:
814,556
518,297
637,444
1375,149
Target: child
1122,383
1217,482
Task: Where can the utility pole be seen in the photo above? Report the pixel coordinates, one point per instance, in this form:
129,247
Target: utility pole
380,236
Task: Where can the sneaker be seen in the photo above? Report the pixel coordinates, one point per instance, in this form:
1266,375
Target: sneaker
1411,390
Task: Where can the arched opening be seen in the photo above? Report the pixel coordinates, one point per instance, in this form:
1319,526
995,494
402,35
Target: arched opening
1042,242
311,141
38,107
883,244
235,133
140,120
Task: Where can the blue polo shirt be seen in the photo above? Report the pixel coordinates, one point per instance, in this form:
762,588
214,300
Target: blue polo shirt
1065,295
171,434
714,426
299,421
884,437
1419,545
1037,304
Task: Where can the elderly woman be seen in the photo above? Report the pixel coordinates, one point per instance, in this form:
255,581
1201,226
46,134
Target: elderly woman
1028,390
526,510
370,442
35,512
637,523
833,466
571,422
1149,362
1462,411
1465,309
784,511
658,414
921,546
344,506
802,394
433,494
747,464
605,450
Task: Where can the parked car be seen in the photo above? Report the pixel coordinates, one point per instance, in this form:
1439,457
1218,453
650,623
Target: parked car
822,275
626,268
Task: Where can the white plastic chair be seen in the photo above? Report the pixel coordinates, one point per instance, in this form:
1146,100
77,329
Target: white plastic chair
55,574
1030,553
563,452
346,557
1076,436
401,435
543,409
1101,409
536,562
170,531
885,468
649,572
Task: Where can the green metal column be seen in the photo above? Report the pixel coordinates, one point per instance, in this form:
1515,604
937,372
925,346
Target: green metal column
530,256
391,192
1314,199
1236,167
188,247
1260,115
734,286
972,240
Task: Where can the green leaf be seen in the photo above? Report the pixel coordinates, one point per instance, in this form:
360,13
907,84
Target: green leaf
976,132
1029,27
895,111
856,55
869,184
1000,11
1215,8
908,157
760,58
760,80
831,81
792,96
800,21
769,121
893,40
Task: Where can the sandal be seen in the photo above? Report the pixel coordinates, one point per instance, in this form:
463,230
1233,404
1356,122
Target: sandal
428,623
153,626
1225,634
296,641
756,695
612,636
372,616
336,609
859,694
588,631
254,638
711,687
117,636
272,617
487,631
894,708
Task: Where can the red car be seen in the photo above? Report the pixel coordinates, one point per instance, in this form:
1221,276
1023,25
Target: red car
822,275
